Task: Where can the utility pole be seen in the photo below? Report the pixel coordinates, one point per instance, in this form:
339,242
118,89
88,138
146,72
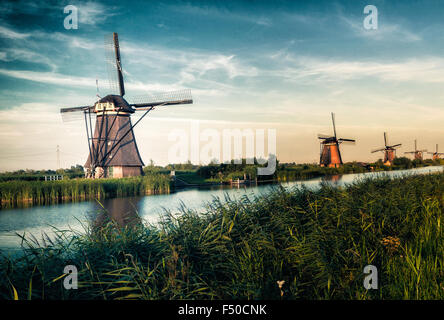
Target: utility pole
58,157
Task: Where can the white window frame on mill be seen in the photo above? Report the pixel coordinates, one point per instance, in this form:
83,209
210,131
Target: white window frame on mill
105,106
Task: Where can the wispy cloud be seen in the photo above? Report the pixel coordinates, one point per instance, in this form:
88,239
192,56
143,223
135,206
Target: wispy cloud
9,33
386,31
15,54
223,14
49,77
421,69
196,68
92,13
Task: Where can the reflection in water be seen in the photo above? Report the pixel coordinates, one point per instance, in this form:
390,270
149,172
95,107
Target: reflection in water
122,211
39,219
333,178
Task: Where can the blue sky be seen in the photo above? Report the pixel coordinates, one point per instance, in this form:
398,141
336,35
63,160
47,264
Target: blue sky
250,64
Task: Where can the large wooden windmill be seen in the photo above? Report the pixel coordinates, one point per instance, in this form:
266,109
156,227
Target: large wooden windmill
112,147
418,154
436,155
330,153
389,151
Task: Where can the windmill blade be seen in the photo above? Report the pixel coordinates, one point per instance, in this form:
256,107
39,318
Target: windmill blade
164,99
385,139
395,145
324,136
409,152
377,150
77,116
118,64
75,113
76,109
334,125
347,141
111,65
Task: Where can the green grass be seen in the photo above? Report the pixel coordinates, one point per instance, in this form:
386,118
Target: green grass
291,172
191,177
16,193
318,242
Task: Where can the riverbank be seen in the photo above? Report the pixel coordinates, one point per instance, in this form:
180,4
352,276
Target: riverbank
285,172
317,241
22,193
158,180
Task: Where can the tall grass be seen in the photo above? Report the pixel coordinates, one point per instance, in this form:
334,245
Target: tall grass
14,193
317,241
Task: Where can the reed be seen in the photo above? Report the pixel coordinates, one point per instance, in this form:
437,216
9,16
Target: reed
15,193
316,241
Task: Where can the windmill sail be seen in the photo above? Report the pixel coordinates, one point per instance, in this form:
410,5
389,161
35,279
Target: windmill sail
76,113
377,150
163,98
350,141
118,64
113,64
334,125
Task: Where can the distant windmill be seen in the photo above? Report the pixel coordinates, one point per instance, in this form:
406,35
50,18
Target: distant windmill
417,153
113,150
435,154
330,153
389,151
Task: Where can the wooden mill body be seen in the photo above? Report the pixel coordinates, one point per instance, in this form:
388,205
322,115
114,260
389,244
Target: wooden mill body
389,156
418,155
114,147
330,155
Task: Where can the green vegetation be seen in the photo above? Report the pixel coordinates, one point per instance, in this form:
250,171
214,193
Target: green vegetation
191,177
39,175
227,171
317,241
17,193
26,188
291,172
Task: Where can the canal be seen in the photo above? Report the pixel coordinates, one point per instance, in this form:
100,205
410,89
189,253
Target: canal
38,220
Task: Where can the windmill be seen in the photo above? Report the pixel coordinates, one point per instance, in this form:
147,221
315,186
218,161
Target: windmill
330,153
435,154
112,147
417,153
389,151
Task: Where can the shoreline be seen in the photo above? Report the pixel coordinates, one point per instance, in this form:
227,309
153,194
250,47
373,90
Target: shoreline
316,241
30,202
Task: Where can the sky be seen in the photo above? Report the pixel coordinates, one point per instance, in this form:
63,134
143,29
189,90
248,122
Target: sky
282,65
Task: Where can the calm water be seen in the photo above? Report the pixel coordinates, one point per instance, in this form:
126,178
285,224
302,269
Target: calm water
42,219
